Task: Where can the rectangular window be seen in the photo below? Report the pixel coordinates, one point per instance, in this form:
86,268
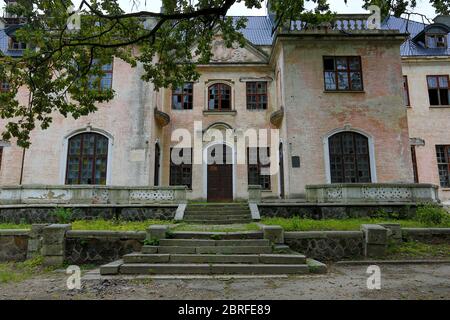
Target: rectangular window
438,90
181,174
414,161
257,95
258,167
4,86
104,82
436,40
1,156
443,156
343,74
406,91
183,97
15,45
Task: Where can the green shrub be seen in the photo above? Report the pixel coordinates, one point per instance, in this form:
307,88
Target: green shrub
431,214
63,215
151,242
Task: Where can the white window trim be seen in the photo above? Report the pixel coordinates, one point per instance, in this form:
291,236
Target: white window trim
326,152
213,82
63,163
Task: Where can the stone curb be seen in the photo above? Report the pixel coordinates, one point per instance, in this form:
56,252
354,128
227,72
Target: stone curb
393,262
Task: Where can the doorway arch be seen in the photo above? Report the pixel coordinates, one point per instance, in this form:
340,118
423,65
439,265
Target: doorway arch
219,177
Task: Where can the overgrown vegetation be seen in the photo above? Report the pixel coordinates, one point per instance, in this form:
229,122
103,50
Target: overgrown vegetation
300,224
63,215
418,250
432,215
19,271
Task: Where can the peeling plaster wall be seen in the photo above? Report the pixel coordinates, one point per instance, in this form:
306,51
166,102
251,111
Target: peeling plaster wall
428,123
127,119
312,113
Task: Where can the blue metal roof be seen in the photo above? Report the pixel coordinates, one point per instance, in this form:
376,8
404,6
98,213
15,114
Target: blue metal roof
413,28
258,30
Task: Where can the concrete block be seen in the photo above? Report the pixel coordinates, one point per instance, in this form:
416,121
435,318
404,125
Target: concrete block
149,249
374,250
274,234
394,230
55,233
53,260
374,234
156,232
282,258
111,268
53,250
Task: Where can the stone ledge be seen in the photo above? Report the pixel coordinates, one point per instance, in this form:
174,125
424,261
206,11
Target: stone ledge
426,231
92,234
322,234
15,232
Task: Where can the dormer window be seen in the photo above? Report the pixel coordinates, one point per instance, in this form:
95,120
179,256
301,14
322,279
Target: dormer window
16,45
436,40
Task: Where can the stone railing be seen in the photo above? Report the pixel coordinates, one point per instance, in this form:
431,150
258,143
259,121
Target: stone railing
347,22
90,194
372,193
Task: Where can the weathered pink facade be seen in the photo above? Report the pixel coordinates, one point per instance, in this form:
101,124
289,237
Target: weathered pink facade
293,69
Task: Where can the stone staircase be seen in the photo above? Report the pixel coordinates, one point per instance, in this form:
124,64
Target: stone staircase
217,213
207,256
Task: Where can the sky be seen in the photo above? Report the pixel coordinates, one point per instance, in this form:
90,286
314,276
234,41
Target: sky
339,6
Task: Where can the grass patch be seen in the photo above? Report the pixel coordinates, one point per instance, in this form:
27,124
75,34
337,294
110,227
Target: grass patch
418,250
113,225
19,271
215,228
300,224
15,226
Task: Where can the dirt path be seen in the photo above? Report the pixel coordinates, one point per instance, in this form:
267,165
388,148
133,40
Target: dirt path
343,282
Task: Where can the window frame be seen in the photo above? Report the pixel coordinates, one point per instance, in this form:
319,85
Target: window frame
354,156
406,91
181,167
435,35
13,40
6,84
438,88
446,149
348,71
182,95
414,162
92,158
219,95
265,181
100,78
259,105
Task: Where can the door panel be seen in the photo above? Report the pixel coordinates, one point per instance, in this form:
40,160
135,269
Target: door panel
220,182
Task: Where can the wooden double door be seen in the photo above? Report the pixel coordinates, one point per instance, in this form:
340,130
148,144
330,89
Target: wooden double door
220,180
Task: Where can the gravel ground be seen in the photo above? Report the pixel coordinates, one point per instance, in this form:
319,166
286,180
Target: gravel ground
342,282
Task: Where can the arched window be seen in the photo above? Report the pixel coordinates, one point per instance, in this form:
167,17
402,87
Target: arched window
87,158
219,97
349,158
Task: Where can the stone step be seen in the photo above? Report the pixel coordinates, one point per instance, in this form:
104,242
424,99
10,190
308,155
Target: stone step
238,235
230,221
217,218
215,258
147,268
217,212
211,243
216,250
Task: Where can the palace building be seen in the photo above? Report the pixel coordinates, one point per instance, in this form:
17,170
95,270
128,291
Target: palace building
352,105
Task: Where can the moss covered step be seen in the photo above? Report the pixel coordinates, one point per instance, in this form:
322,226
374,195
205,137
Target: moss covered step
222,221
211,243
215,258
147,268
